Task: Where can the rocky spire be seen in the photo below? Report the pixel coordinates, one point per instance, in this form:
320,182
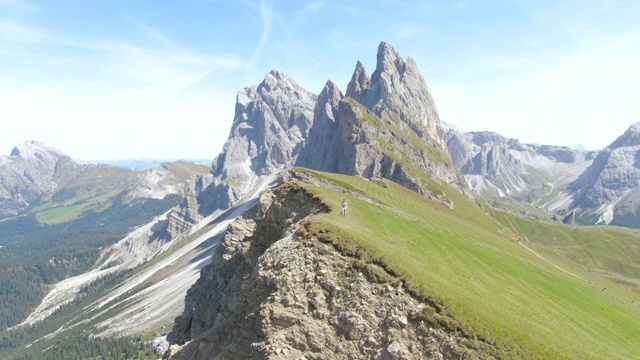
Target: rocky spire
396,89
322,147
359,84
270,126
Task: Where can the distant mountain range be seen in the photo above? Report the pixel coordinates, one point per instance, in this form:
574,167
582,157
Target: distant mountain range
590,187
143,163
36,174
250,258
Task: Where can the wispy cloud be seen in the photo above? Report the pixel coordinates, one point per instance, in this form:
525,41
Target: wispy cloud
267,15
174,67
160,62
309,9
12,31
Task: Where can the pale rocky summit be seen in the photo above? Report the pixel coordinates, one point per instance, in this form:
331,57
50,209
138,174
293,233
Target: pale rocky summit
498,167
30,171
154,183
36,173
270,126
594,187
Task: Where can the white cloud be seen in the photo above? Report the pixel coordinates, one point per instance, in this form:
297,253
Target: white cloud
118,95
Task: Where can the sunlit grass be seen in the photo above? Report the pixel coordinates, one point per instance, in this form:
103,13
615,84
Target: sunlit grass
469,264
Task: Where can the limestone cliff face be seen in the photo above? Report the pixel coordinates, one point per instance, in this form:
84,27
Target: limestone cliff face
387,117
497,167
189,212
271,293
594,187
397,90
270,127
322,148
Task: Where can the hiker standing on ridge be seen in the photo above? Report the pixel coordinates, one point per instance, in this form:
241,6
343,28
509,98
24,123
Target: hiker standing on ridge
344,207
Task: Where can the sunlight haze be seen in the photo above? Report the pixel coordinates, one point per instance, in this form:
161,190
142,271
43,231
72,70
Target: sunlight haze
158,79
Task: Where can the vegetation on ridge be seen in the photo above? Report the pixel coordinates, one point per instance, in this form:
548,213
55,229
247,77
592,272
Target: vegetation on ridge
484,275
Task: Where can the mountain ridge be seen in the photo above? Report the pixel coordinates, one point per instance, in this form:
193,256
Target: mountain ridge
279,295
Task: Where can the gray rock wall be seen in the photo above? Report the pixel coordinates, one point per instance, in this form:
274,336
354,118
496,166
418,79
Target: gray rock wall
272,294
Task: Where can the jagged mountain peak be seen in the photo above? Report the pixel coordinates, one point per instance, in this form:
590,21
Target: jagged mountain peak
396,90
482,137
389,60
330,93
631,137
360,82
276,79
274,84
271,123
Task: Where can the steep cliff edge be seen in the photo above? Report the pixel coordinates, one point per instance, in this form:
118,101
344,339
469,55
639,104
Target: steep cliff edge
270,126
273,292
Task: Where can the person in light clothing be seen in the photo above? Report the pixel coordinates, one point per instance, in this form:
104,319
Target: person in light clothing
344,207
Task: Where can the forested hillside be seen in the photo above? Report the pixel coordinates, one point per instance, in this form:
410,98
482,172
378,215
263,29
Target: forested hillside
34,255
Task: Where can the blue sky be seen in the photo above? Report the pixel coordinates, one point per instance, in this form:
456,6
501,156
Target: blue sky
120,79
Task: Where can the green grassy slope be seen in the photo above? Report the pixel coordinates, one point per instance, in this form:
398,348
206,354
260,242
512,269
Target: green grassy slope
492,286
95,188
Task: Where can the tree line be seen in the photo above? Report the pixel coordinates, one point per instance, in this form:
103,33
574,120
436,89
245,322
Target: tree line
35,255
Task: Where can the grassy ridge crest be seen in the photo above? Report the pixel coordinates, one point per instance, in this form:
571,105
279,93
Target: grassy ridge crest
483,271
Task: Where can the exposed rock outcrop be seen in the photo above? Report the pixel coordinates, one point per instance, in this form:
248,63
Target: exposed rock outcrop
272,294
36,173
31,170
592,187
609,187
189,212
498,167
323,146
384,118
270,127
397,90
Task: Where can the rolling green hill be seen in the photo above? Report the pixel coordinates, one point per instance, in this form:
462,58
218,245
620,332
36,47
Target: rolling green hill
516,287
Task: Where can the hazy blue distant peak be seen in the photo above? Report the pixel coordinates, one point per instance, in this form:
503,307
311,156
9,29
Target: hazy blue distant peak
578,147
141,164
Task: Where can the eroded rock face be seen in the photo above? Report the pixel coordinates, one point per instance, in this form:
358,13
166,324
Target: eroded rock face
397,89
270,127
154,183
31,170
322,148
386,117
189,212
608,188
271,294
496,166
